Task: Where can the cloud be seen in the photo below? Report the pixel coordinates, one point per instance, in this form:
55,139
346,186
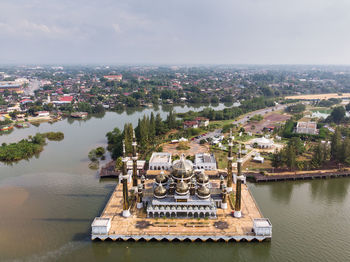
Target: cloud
116,28
25,28
182,31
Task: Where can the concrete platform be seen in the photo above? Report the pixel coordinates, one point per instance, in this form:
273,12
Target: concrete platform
138,227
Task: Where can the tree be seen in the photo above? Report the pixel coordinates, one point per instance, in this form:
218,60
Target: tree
118,163
159,125
214,100
336,145
338,114
128,137
291,161
171,120
277,160
345,156
115,140
152,128
347,107
297,145
320,155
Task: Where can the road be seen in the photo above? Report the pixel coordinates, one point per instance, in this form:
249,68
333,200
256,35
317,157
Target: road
264,111
216,132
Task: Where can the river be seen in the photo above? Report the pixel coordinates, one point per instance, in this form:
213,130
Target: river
48,203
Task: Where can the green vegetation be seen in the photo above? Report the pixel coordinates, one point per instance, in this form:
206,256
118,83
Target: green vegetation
149,132
96,154
328,103
256,118
5,122
24,149
183,146
54,136
232,112
295,109
337,115
288,155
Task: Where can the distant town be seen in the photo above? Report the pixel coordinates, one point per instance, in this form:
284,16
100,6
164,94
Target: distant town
46,93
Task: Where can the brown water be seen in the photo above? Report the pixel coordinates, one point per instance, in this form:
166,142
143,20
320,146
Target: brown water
47,206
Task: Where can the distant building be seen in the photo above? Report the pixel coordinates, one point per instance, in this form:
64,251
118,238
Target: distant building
42,113
202,121
11,87
114,77
64,100
190,124
205,161
307,128
263,142
160,161
258,158
198,122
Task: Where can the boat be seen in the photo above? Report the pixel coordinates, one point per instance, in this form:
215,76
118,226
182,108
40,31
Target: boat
79,114
22,125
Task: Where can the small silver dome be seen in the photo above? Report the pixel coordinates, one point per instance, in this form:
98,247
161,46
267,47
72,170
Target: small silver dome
181,188
203,192
161,178
160,191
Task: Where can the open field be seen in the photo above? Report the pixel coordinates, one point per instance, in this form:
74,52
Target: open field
270,120
319,96
194,148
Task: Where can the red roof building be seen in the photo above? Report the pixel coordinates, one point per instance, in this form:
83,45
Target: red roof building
66,99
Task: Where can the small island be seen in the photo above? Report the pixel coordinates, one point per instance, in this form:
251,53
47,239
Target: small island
27,148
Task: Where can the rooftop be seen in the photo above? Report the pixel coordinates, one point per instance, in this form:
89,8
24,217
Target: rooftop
204,158
100,221
160,157
312,125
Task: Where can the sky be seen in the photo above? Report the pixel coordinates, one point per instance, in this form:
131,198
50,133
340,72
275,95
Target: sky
175,31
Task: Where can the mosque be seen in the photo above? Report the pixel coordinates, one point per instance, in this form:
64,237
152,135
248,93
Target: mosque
194,205
187,192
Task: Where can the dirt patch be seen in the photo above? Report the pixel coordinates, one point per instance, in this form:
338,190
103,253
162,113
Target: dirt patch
270,121
194,148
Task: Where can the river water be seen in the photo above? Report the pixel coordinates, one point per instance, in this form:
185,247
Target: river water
48,203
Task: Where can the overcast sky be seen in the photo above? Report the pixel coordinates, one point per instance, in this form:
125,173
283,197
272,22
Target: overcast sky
175,31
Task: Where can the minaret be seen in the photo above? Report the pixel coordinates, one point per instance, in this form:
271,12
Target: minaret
240,177
126,208
224,198
229,163
134,162
139,197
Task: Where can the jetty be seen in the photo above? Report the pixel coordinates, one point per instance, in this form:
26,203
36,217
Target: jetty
257,177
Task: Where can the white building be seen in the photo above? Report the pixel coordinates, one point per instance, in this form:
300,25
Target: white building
205,161
101,225
262,227
263,142
160,161
258,158
307,128
42,113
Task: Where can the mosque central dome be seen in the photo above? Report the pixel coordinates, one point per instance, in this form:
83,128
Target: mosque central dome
182,168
